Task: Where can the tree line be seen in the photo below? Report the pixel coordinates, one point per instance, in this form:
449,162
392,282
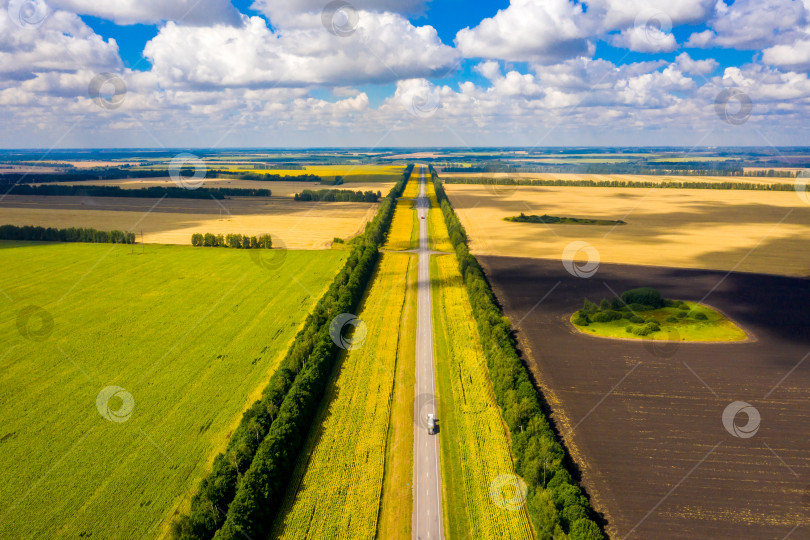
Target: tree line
236,241
117,173
620,183
243,492
555,502
261,177
72,234
172,192
338,195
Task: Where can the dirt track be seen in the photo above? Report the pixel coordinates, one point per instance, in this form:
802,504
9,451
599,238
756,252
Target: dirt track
645,425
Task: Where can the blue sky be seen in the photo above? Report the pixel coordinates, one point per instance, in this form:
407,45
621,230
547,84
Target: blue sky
307,72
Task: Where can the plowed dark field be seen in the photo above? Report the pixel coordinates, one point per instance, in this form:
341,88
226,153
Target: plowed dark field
645,424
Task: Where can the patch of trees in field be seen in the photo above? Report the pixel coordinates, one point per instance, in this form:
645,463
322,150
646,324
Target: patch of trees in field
155,192
545,218
241,496
72,234
555,501
338,195
235,241
620,183
631,306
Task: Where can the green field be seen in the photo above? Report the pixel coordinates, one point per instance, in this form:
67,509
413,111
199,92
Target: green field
191,334
716,327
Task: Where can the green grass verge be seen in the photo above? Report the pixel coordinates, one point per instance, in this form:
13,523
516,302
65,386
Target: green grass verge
192,334
716,327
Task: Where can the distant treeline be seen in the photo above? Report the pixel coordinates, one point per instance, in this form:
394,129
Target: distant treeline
654,168
172,192
619,183
242,494
262,177
338,195
554,499
236,241
72,234
116,173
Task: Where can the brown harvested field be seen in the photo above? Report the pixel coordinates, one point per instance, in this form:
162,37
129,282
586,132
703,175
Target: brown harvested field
751,231
624,177
278,189
298,225
645,426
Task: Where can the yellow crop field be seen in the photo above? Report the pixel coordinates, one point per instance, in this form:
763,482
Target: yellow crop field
437,228
350,173
748,231
475,447
337,484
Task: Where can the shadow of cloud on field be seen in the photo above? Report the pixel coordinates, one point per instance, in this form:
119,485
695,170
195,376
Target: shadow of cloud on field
638,422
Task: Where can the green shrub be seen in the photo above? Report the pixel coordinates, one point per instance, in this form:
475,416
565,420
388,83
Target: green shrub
640,307
589,307
643,295
683,306
700,316
585,529
672,319
601,317
581,319
636,319
682,315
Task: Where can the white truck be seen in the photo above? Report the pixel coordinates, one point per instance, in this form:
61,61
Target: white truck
431,424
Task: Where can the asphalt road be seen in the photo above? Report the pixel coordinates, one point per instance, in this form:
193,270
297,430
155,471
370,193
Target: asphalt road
427,498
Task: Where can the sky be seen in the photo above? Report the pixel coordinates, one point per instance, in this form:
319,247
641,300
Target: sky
383,73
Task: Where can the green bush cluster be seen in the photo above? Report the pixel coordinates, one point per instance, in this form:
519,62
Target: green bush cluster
555,501
646,296
236,241
644,329
72,234
241,496
338,195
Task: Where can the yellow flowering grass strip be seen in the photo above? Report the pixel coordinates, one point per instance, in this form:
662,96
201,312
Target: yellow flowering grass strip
396,510
475,447
437,228
401,234
336,487
412,187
